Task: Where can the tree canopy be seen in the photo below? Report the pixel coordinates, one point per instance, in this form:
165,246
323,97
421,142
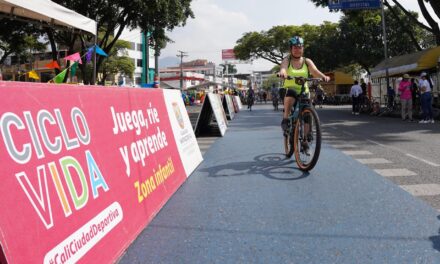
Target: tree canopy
432,26
113,16
356,39
17,38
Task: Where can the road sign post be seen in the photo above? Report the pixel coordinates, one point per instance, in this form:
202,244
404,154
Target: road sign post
354,4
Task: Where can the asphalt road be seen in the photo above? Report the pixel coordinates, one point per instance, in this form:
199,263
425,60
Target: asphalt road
247,204
409,153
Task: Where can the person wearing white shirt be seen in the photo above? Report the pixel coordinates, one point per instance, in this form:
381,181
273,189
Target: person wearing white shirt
355,94
426,99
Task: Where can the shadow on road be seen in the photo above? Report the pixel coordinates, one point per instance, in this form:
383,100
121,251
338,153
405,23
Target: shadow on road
273,165
436,239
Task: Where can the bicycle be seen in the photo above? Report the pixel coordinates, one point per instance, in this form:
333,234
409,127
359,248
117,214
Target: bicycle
303,134
275,103
392,107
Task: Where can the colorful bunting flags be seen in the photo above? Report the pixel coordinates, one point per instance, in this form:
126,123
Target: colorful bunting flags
74,57
73,69
33,75
53,65
60,77
89,55
100,51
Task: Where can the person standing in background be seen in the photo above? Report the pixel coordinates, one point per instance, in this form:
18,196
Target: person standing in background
426,99
415,95
406,97
355,93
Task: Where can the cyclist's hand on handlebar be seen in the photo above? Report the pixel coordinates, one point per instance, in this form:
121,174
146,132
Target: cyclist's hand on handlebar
326,78
282,74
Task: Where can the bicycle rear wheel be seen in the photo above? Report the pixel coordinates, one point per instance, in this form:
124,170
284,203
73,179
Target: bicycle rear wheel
288,141
307,139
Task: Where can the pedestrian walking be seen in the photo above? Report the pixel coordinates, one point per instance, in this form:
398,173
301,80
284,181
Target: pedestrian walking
355,93
250,98
406,97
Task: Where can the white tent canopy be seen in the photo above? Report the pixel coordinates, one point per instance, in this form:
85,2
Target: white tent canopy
48,11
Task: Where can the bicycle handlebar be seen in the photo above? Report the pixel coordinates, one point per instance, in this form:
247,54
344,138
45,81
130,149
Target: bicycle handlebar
302,78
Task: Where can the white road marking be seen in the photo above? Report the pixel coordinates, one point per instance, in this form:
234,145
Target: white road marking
407,154
328,137
422,189
423,160
377,143
356,152
374,161
344,146
207,139
395,172
205,143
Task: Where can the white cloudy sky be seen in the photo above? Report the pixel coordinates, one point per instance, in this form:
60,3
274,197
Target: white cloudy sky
218,24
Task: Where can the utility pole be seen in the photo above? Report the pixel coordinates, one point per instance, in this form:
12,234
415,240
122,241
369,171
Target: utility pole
181,55
385,47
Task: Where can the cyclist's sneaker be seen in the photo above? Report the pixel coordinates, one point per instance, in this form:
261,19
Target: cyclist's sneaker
305,148
285,124
423,121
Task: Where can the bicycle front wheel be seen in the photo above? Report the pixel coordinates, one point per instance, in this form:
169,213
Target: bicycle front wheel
307,139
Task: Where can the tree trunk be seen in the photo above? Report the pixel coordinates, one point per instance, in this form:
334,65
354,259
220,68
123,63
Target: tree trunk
403,27
432,23
53,47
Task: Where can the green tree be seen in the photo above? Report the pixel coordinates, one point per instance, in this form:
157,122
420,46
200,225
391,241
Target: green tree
360,39
272,45
356,39
118,61
161,16
432,26
18,38
113,17
230,68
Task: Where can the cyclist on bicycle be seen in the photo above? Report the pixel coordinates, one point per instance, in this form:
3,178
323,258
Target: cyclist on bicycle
296,65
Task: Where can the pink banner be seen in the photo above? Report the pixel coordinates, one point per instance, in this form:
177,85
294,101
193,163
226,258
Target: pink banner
228,54
83,170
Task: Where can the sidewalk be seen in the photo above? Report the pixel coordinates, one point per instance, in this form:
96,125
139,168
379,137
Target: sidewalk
247,204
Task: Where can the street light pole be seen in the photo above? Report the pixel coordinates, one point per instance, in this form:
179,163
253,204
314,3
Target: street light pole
385,45
181,55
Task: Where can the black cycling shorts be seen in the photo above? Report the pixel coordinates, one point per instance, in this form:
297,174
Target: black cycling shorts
288,92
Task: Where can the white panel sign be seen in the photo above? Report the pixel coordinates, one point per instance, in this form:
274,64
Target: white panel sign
237,99
230,106
219,113
183,133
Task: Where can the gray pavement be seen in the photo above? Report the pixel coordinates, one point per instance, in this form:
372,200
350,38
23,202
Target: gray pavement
247,204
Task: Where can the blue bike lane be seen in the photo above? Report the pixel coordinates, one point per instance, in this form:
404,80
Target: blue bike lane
247,204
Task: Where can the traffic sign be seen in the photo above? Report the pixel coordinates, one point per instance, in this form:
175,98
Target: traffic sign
354,4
